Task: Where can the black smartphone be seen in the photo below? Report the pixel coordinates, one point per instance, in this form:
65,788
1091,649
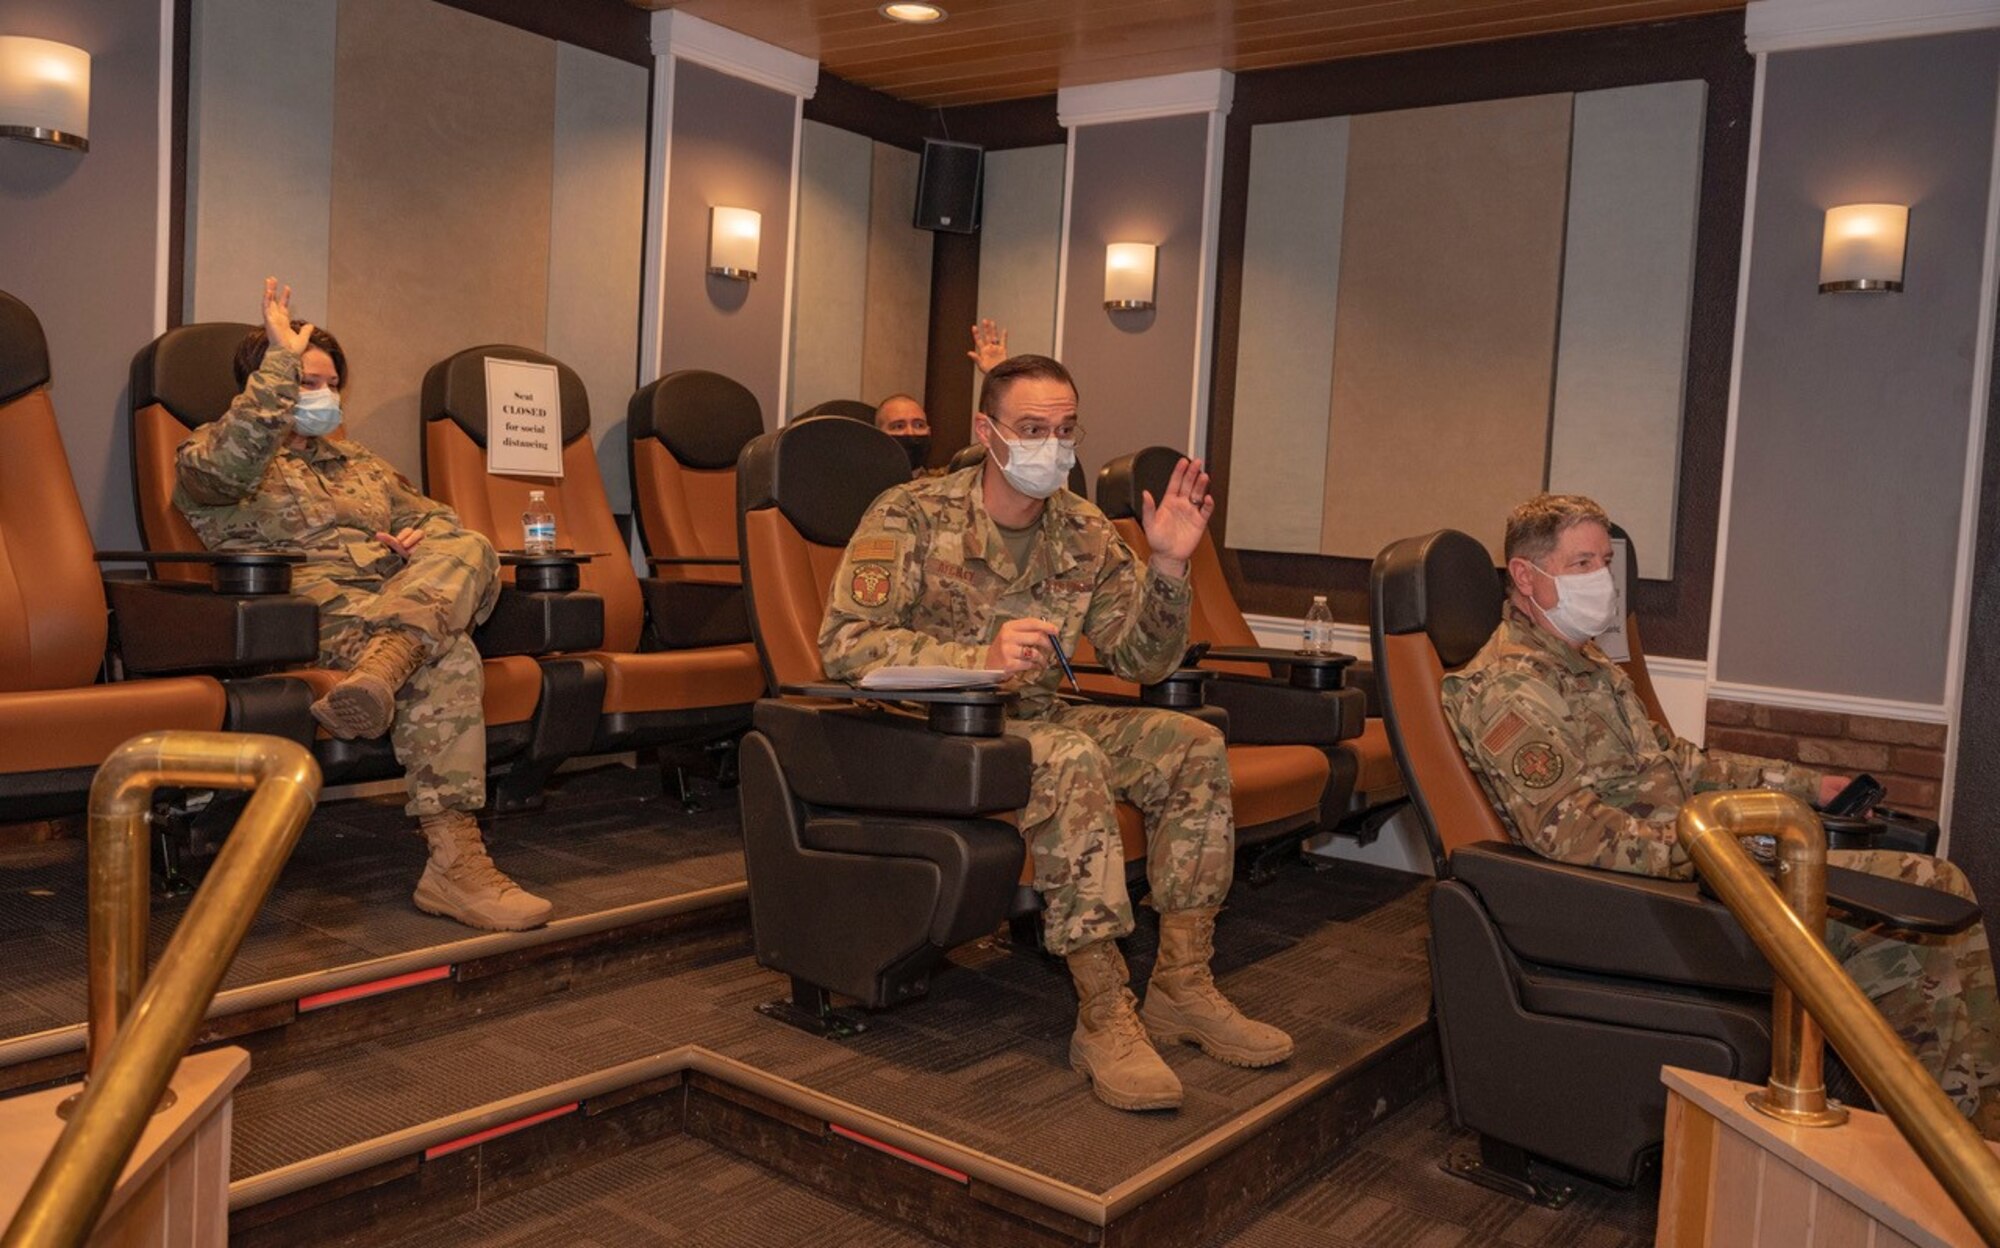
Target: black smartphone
1861,793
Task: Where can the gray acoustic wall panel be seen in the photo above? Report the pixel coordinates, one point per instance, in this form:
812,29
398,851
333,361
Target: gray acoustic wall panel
1842,538
1628,277
597,225
896,327
830,287
1444,349
1284,353
1020,238
260,155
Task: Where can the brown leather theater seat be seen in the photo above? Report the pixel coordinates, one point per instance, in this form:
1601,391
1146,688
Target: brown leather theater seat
184,379
56,722
1377,783
651,695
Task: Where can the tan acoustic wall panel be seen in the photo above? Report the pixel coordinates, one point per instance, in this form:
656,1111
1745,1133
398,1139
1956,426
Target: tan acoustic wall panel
1628,281
1444,347
597,240
830,289
1020,238
1284,350
439,232
896,329
260,155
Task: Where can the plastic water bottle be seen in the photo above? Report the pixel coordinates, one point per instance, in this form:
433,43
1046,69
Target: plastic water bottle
538,525
1318,638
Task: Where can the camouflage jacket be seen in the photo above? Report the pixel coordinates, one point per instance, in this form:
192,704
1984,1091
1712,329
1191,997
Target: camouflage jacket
928,580
1563,746
242,486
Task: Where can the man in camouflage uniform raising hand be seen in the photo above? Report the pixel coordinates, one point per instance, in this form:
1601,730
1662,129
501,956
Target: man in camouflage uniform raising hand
1580,773
397,580
981,569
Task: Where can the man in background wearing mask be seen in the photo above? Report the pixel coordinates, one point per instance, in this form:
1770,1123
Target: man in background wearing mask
980,569
1580,773
903,418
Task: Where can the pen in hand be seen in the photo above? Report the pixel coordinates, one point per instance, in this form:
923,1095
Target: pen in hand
1055,643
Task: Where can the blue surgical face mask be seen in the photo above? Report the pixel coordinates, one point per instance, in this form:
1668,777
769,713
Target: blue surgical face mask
317,413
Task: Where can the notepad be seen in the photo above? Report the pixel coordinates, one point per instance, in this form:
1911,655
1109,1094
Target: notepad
930,677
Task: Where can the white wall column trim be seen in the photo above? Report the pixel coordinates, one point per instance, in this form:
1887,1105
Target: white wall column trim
690,38
1975,462
791,265
1736,371
1789,25
164,201
1840,703
1062,239
653,278
1207,280
1169,95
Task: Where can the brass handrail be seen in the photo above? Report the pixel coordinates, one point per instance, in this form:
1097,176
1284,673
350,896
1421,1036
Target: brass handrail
139,1034
1812,987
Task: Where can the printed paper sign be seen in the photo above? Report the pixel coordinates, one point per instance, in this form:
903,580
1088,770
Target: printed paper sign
523,419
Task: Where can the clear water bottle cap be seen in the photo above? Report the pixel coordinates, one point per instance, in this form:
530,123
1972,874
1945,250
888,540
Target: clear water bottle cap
535,496
1319,597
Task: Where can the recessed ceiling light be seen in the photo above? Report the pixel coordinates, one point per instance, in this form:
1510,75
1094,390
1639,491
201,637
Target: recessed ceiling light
914,13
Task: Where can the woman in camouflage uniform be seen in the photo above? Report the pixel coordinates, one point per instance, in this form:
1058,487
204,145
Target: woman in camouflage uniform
397,580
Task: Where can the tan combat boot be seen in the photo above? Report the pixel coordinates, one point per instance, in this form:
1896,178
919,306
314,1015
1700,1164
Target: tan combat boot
460,881
1183,1003
1109,1047
364,702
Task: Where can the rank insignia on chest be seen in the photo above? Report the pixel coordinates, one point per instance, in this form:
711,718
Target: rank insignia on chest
870,585
1538,765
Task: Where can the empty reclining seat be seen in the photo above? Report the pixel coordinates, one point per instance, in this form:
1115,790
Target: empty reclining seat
686,430
1368,786
1635,662
652,696
871,837
56,722
853,409
537,714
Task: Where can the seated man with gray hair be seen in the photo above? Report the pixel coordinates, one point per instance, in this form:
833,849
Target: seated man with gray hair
1563,746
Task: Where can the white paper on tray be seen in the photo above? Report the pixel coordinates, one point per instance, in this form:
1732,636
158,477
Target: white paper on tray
930,677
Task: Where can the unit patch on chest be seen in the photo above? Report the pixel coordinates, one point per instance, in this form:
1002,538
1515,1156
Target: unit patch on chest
1538,765
869,586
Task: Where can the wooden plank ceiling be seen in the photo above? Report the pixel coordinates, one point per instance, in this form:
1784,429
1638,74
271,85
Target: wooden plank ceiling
1005,49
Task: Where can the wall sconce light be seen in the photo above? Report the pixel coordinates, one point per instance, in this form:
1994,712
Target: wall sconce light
732,242
44,92
1863,247
1128,276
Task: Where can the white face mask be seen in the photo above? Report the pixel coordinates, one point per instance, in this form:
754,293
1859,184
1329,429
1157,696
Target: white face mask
1039,471
317,413
1586,604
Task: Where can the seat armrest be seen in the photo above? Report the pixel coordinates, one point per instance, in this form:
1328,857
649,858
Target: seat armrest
1180,690
540,622
1609,922
1308,671
159,628
1878,900
1271,712
685,615
239,572
953,712
862,758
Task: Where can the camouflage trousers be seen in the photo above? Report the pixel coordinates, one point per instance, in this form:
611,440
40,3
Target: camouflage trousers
1172,767
448,585
1936,991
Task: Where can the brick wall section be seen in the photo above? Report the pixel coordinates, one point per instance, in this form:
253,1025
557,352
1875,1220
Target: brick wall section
1907,757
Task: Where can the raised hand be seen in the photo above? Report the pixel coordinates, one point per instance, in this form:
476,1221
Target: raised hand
989,345
278,329
1175,523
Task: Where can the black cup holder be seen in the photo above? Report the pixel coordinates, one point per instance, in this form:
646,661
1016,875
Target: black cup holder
560,573
251,575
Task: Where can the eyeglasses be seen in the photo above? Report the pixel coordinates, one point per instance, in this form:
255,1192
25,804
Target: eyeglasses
1032,433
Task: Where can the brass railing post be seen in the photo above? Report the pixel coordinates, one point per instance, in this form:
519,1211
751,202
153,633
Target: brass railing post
1810,979
138,1034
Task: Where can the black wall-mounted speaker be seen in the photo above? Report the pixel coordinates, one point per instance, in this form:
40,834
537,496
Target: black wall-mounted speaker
948,187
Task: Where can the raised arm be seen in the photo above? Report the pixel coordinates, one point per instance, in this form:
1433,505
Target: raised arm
223,461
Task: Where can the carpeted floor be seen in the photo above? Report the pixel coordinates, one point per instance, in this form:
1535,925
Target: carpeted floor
1386,1192
605,839
1336,958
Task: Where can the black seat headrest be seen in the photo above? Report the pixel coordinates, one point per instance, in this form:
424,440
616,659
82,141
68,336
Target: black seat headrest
703,419
24,351
1631,566
1442,584
822,473
1120,482
455,389
967,456
853,409
190,371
